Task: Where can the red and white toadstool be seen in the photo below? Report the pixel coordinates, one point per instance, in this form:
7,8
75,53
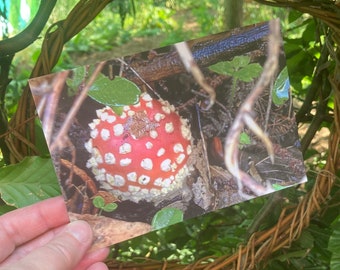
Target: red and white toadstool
142,153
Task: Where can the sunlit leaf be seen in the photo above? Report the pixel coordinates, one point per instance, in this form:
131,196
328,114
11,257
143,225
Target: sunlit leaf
98,202
116,92
334,245
28,182
110,207
281,88
249,72
165,217
224,68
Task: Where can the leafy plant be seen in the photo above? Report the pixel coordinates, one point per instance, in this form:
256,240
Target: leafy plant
28,182
165,217
99,202
240,69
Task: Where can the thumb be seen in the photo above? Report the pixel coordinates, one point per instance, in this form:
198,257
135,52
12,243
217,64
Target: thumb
63,252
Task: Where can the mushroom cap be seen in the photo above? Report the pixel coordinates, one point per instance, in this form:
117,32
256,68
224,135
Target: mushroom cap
141,153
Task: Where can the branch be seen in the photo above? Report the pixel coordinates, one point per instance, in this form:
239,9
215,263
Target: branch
19,42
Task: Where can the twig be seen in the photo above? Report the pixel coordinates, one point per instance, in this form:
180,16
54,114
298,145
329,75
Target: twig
192,67
244,118
60,137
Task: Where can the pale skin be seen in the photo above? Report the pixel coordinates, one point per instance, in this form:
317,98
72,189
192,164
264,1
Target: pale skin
40,237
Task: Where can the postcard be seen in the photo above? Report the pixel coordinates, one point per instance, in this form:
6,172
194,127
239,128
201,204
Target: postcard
147,140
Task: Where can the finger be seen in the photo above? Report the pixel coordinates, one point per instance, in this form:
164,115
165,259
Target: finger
94,258
98,266
63,252
24,224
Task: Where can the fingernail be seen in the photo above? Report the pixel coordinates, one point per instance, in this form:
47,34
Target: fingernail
80,230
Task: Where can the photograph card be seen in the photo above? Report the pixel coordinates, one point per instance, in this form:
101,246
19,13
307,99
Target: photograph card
147,140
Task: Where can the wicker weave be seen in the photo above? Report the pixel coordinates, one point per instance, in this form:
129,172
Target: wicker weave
261,244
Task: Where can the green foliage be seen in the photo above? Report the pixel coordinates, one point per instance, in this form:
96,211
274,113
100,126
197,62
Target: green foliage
28,182
240,69
116,92
166,217
334,245
99,202
281,88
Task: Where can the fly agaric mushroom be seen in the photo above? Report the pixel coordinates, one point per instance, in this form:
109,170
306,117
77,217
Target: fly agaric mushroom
141,153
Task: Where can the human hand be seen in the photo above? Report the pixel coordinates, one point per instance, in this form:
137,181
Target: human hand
40,237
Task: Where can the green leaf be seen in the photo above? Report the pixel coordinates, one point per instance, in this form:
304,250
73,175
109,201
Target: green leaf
165,217
224,68
116,92
110,207
28,182
244,139
240,61
281,88
239,68
334,245
249,72
98,202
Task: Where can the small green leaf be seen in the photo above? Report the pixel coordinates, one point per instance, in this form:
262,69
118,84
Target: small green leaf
224,68
78,76
240,61
28,182
98,202
165,217
281,88
116,92
244,139
334,245
249,72
110,207
278,187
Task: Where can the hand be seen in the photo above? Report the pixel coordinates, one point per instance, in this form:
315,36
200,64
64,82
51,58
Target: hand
40,237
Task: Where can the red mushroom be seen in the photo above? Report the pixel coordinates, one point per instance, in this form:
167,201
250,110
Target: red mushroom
141,153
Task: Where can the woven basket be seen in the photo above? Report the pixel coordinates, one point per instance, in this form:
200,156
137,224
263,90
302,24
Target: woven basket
261,244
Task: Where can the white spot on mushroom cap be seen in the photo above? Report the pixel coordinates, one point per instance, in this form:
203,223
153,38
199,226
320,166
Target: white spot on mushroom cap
88,145
94,133
166,109
111,119
133,189
103,116
146,97
159,116
143,179
166,182
160,152
158,181
125,148
149,105
115,180
131,113
125,162
146,164
91,162
105,134
185,131
178,148
148,145
93,125
189,149
153,134
169,127
123,115
180,158
118,129
109,158
132,176
166,165
96,154
99,174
